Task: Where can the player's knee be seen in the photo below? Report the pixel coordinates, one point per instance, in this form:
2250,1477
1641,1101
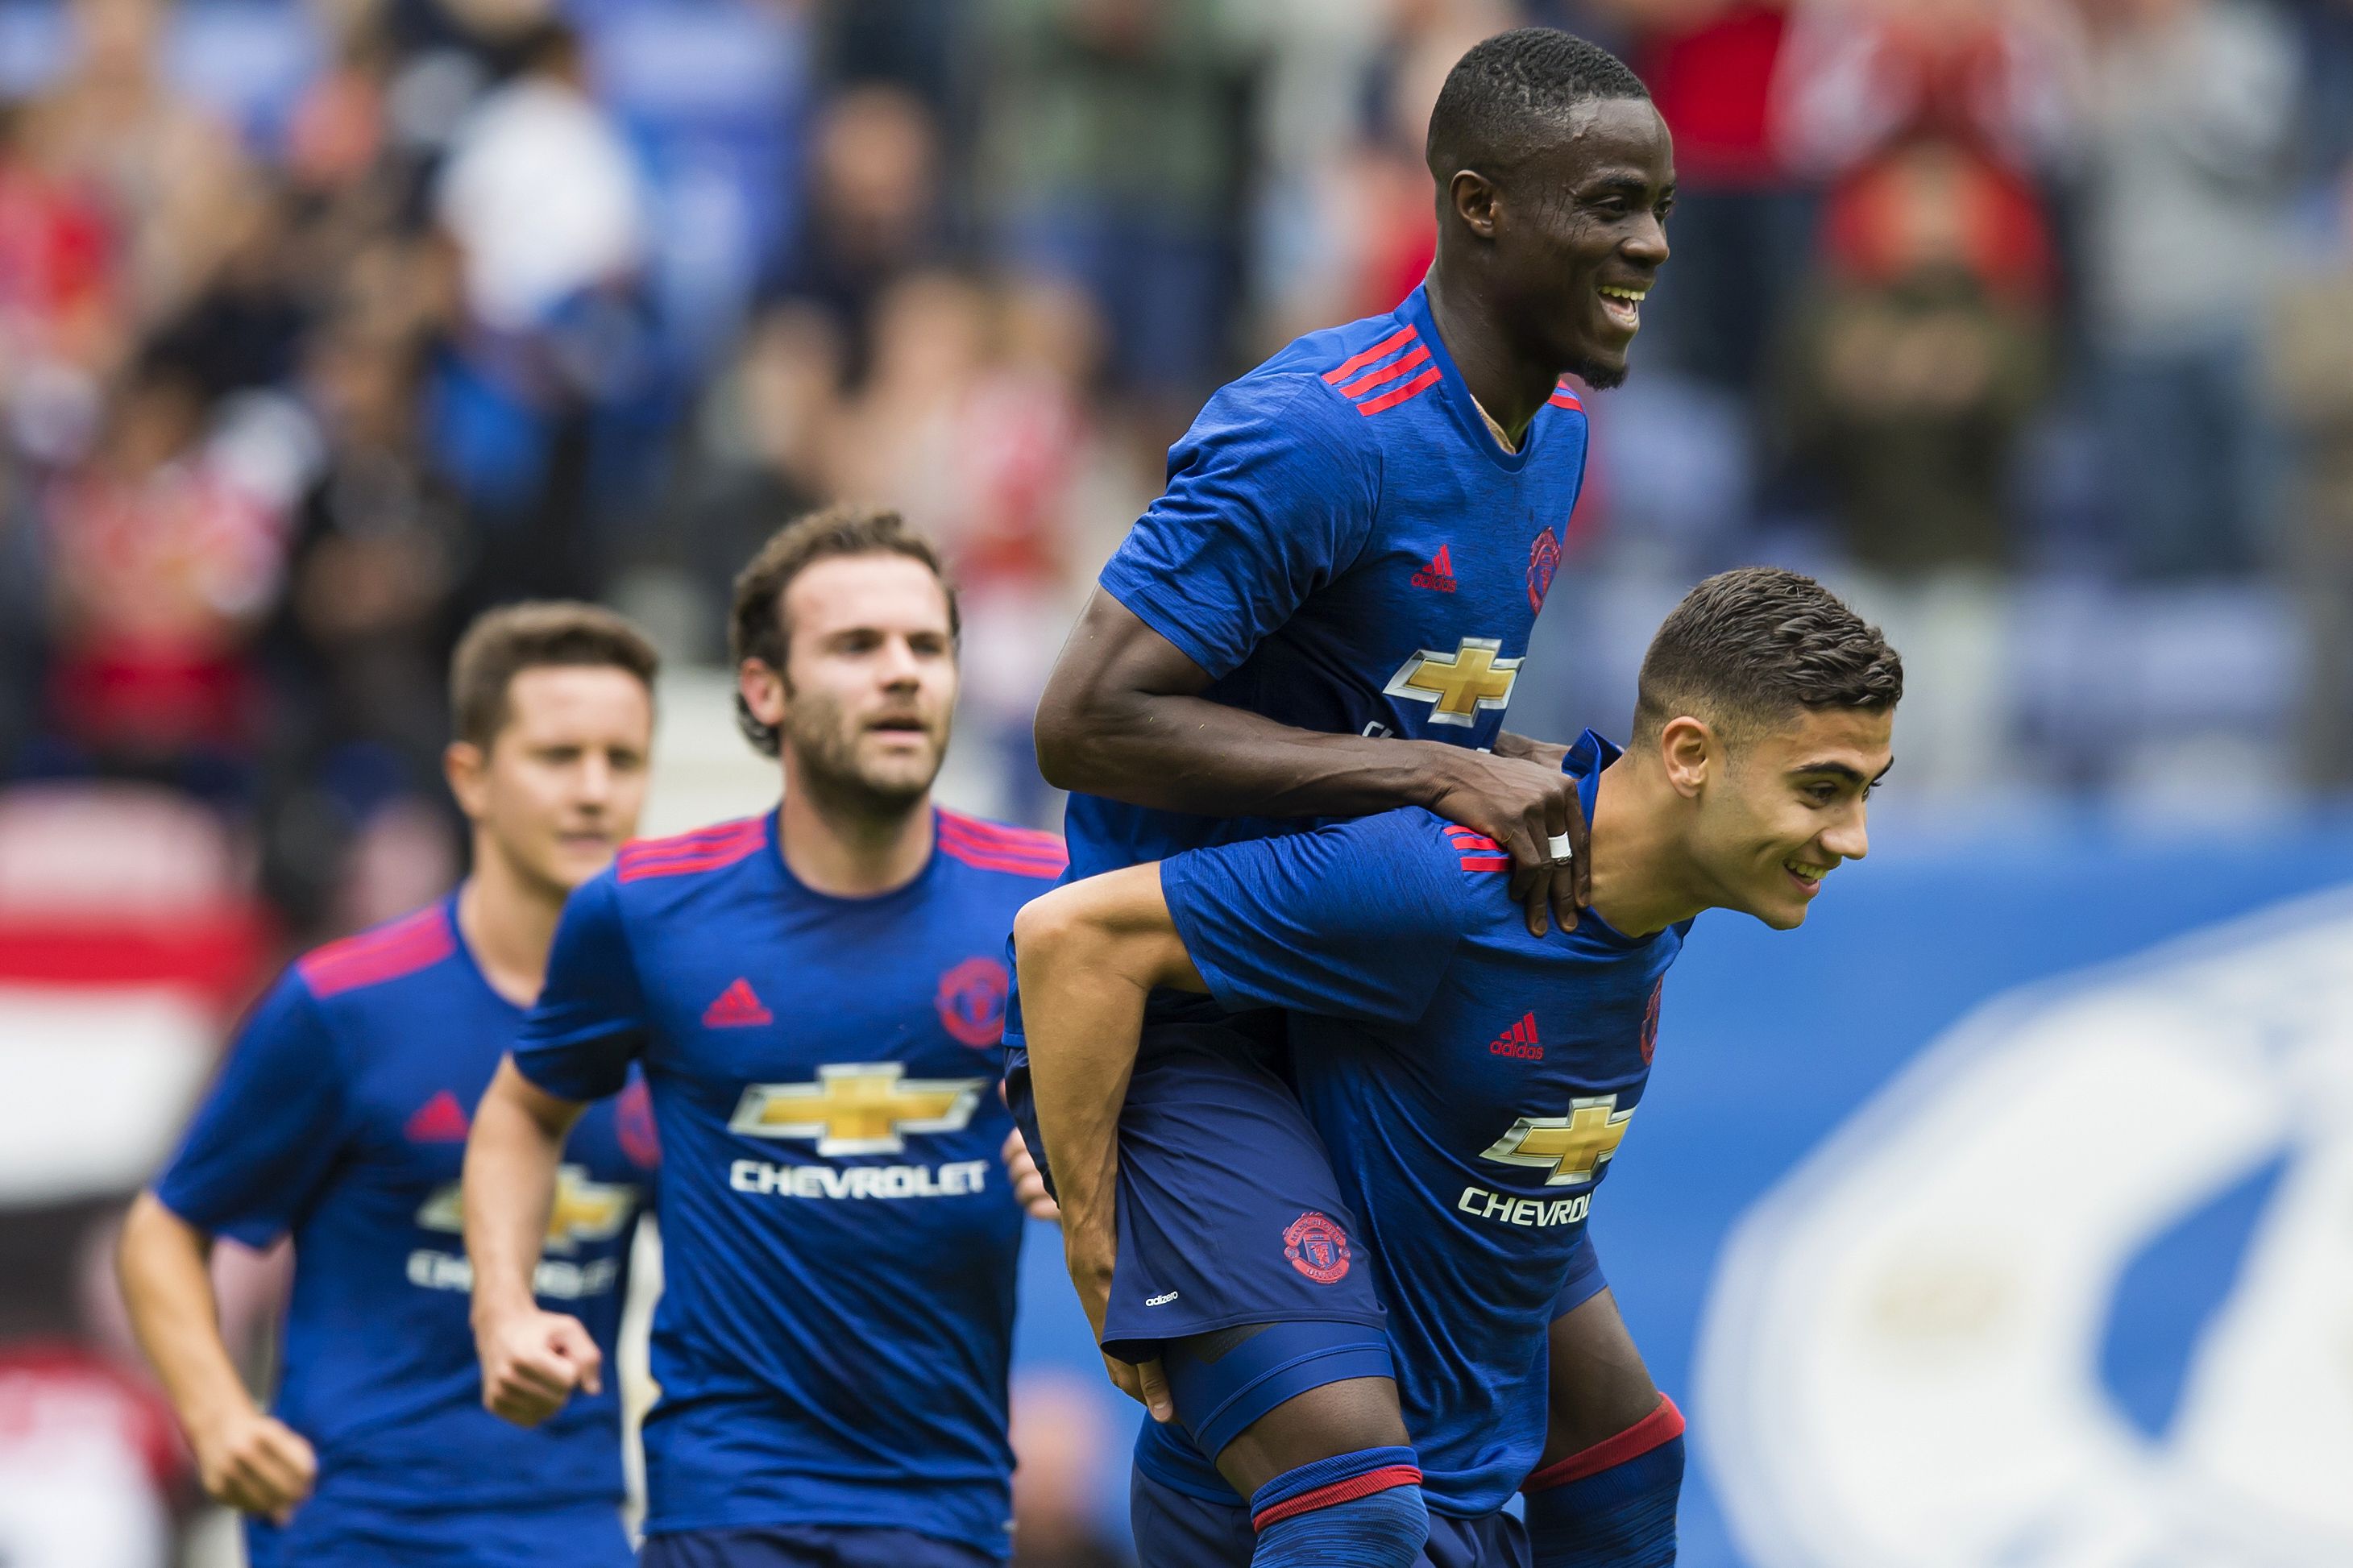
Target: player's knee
1358,1510
1611,1505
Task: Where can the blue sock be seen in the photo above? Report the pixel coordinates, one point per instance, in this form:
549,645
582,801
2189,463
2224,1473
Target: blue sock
1353,1510
1609,1512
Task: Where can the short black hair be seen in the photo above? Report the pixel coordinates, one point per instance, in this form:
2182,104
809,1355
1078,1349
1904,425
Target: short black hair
1509,89
1760,644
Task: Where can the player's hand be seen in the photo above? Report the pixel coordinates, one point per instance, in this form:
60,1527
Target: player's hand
1029,1182
1090,1251
1523,803
253,1462
531,1361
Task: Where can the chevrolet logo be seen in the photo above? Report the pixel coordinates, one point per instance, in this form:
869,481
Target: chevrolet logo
1458,684
582,1210
857,1108
1573,1146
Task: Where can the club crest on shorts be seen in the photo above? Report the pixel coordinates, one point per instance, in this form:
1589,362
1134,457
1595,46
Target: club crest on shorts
971,1002
1317,1247
1544,559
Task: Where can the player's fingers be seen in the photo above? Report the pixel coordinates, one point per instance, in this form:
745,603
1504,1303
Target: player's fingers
275,1480
580,1348
1124,1378
1561,887
1154,1384
295,1462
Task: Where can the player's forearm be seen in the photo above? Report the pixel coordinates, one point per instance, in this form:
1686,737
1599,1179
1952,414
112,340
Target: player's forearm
1187,754
164,1265
512,1158
1090,954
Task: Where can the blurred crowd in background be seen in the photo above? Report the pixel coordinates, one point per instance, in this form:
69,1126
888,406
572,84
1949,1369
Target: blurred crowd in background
325,323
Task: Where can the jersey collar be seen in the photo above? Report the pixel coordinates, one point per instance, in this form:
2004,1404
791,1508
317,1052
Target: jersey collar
1455,392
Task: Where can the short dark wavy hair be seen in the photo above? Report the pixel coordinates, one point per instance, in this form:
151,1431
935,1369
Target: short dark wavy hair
756,628
1508,91
1758,645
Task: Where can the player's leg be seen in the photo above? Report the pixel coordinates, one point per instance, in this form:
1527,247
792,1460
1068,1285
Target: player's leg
1228,1216
1604,1494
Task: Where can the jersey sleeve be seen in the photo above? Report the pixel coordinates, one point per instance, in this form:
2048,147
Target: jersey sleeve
1265,504
267,1136
1358,921
591,1019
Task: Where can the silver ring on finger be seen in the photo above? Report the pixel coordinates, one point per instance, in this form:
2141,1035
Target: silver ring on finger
1558,850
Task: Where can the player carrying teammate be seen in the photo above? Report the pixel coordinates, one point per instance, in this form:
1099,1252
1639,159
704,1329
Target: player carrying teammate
1472,1082
1325,616
817,996
340,1117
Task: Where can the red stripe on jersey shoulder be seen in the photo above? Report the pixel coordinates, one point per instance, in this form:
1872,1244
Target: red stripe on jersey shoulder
412,942
1486,862
1405,393
1354,362
705,849
1565,396
999,846
1387,373
1475,850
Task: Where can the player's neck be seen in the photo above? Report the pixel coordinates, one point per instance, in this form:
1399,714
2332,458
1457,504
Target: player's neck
1637,882
508,923
845,848
1508,389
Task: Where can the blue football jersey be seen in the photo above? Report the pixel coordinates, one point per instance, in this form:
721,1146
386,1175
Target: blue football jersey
1343,546
840,1240
340,1117
1471,1083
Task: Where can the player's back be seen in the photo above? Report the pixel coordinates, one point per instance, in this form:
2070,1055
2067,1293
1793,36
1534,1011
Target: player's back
1471,1083
1344,547
342,1118
840,1244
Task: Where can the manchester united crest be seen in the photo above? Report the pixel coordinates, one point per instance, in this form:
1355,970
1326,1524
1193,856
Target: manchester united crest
1544,559
1317,1247
971,1002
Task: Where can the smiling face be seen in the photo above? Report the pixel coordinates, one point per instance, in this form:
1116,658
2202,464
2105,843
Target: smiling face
863,703
1580,231
560,785
1784,807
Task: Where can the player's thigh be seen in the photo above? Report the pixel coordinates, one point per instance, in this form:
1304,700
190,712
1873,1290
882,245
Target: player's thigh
1599,1385
1333,1418
809,1546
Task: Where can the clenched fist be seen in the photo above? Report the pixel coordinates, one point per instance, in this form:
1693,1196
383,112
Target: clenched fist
254,1462
531,1361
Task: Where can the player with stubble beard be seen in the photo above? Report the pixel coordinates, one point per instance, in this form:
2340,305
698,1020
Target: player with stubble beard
815,997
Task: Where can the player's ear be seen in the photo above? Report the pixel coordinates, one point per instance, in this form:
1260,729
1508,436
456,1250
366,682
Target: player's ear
1691,751
1474,197
764,691
467,768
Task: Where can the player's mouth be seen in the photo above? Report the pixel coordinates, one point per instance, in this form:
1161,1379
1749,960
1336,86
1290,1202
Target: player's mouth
900,724
1622,303
1807,874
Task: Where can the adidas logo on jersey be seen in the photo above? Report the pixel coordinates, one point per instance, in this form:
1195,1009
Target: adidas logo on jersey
1440,574
1519,1040
738,1007
440,1120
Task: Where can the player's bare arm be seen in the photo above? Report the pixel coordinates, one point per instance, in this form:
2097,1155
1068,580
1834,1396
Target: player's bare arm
1122,717
1090,952
532,1359
246,1458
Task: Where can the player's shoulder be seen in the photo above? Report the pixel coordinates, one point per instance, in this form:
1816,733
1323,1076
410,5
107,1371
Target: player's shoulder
1001,849
653,868
359,969
1327,386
